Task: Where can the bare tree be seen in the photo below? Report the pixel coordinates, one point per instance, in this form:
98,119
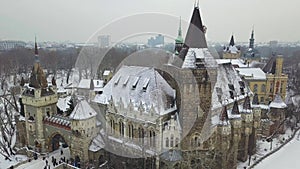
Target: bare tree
8,110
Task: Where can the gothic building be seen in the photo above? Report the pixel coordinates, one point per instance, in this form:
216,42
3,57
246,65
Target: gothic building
192,112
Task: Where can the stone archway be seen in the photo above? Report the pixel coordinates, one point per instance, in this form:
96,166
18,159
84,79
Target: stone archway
56,141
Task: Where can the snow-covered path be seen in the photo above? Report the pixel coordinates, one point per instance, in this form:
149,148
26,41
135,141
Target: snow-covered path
285,158
40,163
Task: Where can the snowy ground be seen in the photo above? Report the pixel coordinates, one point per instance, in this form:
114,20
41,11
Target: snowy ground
6,163
40,163
264,147
286,158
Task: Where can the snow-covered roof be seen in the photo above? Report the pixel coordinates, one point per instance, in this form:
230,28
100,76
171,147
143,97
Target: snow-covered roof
83,111
138,86
235,62
85,84
232,49
97,143
195,54
277,102
61,89
106,73
63,103
227,77
252,73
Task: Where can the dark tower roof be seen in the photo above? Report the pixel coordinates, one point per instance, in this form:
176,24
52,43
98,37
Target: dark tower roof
195,37
251,44
231,43
270,67
37,77
255,100
224,114
247,105
235,109
36,52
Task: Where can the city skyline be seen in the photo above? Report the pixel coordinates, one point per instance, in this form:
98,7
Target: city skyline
77,21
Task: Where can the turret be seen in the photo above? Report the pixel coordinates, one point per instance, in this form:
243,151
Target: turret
251,43
179,40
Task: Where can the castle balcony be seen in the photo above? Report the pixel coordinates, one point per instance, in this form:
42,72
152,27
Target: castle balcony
58,121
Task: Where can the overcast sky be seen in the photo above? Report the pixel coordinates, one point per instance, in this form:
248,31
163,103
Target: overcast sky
77,20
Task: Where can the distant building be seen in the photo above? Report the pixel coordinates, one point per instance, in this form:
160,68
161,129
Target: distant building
11,44
104,40
156,41
251,54
231,51
266,82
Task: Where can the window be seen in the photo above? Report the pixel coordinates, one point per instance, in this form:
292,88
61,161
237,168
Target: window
112,126
121,128
255,88
141,134
263,88
262,99
167,142
172,141
152,138
130,130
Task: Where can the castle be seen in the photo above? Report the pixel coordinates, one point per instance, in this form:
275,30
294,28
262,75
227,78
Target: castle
191,113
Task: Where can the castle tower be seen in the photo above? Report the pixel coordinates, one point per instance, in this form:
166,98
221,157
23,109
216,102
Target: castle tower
223,139
256,122
247,124
277,115
179,40
251,43
197,77
39,101
236,124
83,124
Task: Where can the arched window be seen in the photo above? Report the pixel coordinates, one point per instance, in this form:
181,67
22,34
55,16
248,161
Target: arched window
172,141
121,128
263,88
196,142
255,88
130,130
112,126
152,138
167,142
141,135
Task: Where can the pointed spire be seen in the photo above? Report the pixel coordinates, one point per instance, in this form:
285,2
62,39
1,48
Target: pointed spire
231,43
179,30
247,105
195,37
235,109
224,114
36,52
251,44
179,40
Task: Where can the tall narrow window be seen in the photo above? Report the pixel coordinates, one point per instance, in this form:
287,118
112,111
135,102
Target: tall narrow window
176,142
167,142
255,88
121,128
141,135
263,88
172,141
